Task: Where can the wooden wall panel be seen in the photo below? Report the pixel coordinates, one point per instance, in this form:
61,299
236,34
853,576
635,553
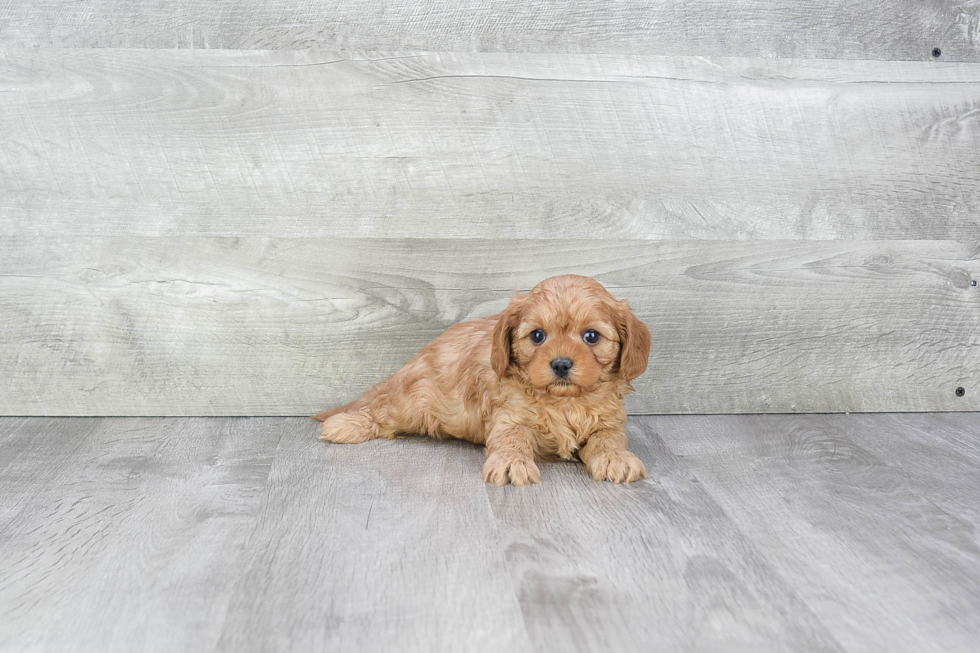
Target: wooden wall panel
228,326
282,144
789,194
869,29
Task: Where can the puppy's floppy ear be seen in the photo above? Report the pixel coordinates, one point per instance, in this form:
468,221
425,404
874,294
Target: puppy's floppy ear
500,348
634,343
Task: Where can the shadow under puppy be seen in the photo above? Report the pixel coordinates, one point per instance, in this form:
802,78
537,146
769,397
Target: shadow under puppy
543,380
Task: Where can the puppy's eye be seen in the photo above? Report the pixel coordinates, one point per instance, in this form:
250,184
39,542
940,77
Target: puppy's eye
537,336
590,337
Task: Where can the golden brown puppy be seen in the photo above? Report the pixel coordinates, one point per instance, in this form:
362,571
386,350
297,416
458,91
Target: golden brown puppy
545,379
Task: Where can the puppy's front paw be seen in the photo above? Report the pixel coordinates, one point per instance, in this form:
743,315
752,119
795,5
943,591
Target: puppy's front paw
504,468
616,466
348,428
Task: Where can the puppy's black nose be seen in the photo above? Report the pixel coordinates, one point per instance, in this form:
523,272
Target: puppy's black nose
561,366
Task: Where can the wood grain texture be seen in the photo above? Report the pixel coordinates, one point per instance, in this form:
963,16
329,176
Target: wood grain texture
655,566
122,535
313,144
939,455
753,533
382,547
212,326
828,30
864,544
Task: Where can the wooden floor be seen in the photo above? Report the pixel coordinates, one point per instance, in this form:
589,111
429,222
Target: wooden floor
753,533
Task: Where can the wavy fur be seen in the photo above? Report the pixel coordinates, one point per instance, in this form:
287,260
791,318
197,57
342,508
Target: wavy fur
485,381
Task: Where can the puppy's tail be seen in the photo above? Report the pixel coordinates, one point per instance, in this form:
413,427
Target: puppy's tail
354,405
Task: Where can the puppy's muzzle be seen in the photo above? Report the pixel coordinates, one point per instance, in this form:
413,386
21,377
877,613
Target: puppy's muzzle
561,367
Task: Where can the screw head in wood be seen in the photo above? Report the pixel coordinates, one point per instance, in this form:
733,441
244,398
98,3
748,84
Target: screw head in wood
974,283
960,391
936,53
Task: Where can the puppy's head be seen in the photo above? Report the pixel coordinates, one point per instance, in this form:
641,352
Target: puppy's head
567,336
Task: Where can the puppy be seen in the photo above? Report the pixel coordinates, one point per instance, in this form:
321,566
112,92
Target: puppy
543,380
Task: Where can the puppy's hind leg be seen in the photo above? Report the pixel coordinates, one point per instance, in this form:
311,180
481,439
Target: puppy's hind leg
393,406
350,427
367,418
350,424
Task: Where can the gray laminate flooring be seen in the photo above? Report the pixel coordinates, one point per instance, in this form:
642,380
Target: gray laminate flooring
753,533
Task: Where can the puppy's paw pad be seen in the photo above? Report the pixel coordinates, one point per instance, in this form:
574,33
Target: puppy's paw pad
504,468
348,428
617,467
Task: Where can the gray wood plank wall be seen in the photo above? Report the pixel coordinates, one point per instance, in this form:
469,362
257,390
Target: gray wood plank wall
789,196
869,29
108,142
261,326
